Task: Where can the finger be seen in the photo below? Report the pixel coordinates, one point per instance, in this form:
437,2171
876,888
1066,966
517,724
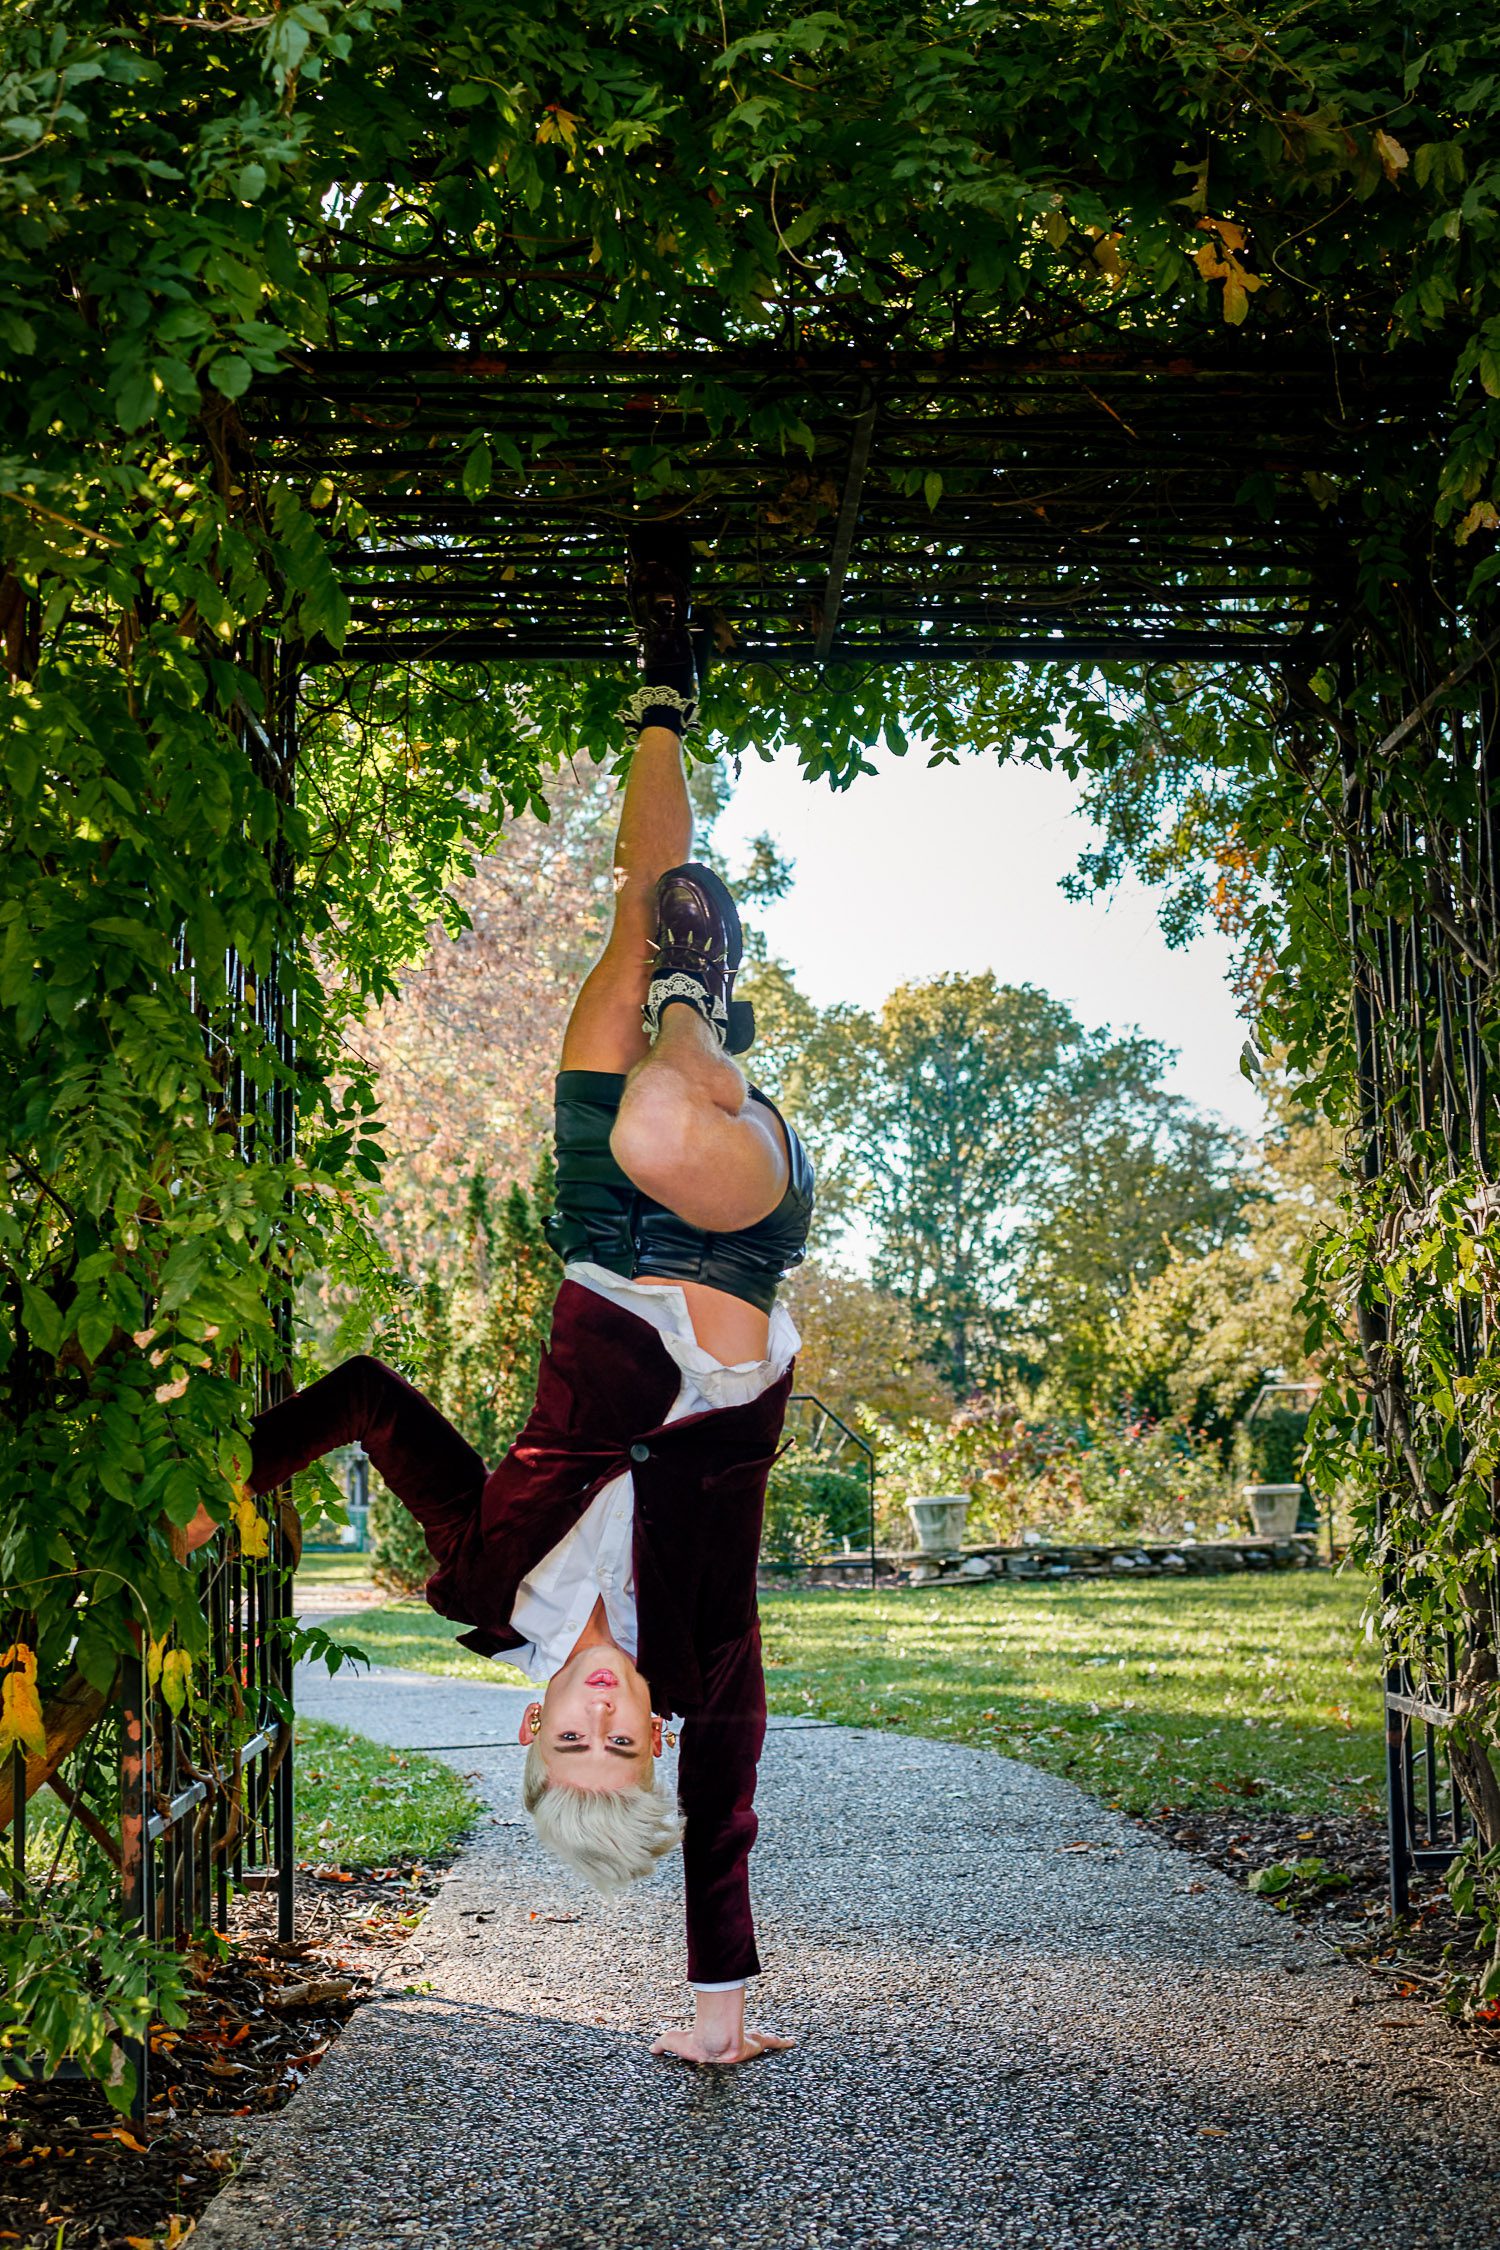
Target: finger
771,2039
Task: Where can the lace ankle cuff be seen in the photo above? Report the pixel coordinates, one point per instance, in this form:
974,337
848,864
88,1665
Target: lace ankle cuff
659,706
683,989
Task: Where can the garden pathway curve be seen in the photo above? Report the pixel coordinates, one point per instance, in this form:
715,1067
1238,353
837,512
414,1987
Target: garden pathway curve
1022,2022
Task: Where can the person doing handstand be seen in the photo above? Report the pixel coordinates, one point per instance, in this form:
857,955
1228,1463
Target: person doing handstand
613,1552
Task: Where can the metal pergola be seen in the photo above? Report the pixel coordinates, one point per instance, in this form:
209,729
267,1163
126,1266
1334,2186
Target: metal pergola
853,507
857,505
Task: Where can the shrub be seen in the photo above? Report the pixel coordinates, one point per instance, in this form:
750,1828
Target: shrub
1121,1476
1125,1476
810,1508
400,1558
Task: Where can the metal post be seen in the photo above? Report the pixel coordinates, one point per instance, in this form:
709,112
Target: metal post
135,1848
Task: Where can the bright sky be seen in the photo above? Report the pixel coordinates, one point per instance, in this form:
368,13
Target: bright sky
915,871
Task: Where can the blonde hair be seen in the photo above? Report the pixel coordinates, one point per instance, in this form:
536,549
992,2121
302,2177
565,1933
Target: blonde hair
610,1837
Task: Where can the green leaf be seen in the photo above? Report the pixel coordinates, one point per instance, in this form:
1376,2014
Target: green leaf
135,399
42,1319
478,470
231,374
22,765
95,1328
250,182
932,487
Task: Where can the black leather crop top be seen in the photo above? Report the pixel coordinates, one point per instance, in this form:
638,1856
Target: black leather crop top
603,1217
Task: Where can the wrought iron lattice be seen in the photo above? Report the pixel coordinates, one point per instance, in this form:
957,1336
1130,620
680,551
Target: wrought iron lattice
185,1804
853,507
1425,947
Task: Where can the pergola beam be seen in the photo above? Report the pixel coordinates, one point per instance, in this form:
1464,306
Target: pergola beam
1018,506
843,537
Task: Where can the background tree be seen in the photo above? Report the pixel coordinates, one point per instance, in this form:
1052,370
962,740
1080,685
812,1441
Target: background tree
861,1351
942,1101
464,1053
1016,1176
1131,1177
1203,1333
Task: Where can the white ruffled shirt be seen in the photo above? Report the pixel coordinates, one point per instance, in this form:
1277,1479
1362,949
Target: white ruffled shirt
555,1601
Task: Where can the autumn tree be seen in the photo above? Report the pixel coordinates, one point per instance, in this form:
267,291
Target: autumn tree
464,1054
862,1353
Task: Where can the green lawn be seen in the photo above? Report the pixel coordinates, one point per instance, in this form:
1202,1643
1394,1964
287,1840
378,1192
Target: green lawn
1167,1692
345,1566
360,1804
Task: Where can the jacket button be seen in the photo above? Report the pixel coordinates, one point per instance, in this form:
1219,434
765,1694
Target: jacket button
640,1452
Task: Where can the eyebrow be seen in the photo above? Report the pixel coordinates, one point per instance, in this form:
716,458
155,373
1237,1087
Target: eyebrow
580,1749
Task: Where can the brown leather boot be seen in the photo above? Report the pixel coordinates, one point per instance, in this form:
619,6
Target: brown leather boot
699,946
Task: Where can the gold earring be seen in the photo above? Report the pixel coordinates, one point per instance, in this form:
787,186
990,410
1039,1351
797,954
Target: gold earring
670,1739
535,1724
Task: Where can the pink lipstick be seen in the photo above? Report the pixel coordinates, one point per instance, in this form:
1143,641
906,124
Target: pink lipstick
601,1679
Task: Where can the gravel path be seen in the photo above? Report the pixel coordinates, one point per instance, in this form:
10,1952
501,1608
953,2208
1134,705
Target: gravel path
1021,2022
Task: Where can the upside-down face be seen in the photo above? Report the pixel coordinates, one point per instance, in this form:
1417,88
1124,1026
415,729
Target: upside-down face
594,1725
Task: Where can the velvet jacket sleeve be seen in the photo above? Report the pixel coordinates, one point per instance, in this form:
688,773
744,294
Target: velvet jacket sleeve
721,1746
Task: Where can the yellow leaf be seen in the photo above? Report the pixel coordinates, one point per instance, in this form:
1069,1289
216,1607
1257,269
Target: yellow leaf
1481,517
1229,233
1055,227
1393,157
1238,283
558,125
153,1662
176,1666
1106,257
1238,280
255,1540
20,1707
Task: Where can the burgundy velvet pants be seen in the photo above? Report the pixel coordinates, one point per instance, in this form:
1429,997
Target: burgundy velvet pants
430,1468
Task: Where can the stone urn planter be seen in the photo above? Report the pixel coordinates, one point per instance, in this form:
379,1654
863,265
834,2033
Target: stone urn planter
939,1523
1273,1509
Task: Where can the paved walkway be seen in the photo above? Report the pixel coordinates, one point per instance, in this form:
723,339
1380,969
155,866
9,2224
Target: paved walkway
1022,2023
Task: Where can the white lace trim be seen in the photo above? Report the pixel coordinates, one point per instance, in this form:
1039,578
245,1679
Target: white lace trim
680,986
632,712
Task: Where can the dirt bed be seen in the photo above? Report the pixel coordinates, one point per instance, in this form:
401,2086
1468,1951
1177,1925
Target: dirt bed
260,2020
1339,1886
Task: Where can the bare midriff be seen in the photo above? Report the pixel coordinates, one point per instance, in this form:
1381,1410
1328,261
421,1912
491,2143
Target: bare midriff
726,1326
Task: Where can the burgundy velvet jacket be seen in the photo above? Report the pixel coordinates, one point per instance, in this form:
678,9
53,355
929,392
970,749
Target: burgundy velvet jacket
605,1385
